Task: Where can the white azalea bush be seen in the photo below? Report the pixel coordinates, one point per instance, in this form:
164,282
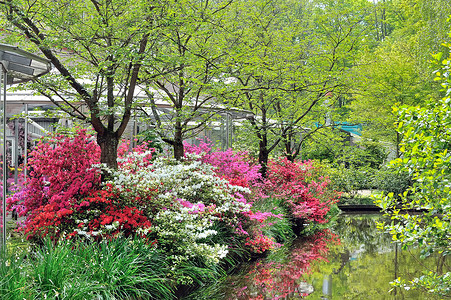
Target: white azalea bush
187,203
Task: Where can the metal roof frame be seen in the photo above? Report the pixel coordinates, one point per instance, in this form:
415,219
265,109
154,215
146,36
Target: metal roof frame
21,65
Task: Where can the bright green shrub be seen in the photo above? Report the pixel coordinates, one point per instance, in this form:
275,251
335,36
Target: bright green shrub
389,180
425,154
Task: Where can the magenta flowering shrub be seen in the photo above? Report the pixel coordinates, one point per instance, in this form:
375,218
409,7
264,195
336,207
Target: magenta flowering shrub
307,195
238,169
60,172
235,166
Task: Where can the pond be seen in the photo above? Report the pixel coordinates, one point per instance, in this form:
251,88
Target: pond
351,260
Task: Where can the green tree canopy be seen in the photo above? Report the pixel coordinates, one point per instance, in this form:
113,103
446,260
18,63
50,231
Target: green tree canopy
97,49
288,60
425,150
187,70
396,70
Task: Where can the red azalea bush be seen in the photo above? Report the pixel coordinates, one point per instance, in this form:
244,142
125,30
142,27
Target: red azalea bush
99,215
63,197
307,195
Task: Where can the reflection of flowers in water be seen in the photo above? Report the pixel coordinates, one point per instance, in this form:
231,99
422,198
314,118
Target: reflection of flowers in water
276,280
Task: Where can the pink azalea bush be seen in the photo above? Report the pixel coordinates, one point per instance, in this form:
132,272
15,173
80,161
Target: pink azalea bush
235,166
238,169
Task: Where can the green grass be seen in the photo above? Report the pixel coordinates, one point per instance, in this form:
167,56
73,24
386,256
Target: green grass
120,269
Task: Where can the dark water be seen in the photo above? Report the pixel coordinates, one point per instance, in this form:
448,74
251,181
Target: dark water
351,260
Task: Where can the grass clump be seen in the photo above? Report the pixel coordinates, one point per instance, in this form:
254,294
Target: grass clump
118,269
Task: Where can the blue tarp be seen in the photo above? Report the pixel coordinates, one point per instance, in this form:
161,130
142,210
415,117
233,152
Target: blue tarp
354,129
345,126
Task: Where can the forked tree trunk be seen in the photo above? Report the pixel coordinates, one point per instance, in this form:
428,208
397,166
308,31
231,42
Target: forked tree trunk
289,151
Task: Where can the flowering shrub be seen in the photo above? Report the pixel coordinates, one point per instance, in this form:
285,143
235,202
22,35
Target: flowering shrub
231,165
60,172
307,194
63,197
188,201
139,156
97,216
236,168
196,208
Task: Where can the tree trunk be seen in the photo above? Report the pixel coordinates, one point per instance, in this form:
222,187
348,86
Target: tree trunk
179,151
287,141
263,156
108,142
289,153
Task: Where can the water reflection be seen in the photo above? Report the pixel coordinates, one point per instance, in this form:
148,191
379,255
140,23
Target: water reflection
283,274
352,260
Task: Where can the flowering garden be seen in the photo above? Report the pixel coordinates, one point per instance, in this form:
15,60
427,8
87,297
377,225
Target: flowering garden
154,227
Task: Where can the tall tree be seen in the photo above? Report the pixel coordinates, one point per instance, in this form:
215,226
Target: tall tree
97,48
385,78
338,37
287,58
398,71
262,56
187,71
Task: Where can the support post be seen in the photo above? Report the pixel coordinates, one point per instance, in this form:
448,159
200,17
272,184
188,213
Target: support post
15,154
16,66
5,166
25,146
227,131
